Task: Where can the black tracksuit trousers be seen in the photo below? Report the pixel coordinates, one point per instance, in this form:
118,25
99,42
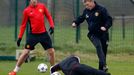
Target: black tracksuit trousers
101,45
82,69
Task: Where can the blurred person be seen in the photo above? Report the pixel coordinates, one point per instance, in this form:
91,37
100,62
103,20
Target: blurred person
72,66
34,15
99,21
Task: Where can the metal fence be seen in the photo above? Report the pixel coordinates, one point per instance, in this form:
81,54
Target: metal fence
64,12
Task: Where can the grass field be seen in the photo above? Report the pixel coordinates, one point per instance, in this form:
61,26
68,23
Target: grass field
118,65
120,58
65,40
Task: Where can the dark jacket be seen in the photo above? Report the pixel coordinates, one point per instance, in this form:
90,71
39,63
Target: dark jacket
95,18
69,64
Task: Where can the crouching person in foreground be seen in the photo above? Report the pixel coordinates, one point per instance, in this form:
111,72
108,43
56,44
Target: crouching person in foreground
71,66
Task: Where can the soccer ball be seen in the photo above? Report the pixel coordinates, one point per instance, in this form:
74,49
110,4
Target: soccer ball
56,73
42,67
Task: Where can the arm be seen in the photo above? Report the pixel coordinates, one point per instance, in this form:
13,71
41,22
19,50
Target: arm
107,19
23,25
79,20
50,20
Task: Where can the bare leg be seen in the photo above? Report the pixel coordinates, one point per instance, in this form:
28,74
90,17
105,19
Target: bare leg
21,59
51,54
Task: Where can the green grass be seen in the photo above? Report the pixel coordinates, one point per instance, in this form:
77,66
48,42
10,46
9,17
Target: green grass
120,58
118,64
27,69
65,40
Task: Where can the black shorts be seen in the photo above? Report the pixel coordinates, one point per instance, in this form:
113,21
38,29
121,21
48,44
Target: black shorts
43,38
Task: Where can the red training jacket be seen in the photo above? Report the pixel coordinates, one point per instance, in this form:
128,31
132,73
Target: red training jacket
35,16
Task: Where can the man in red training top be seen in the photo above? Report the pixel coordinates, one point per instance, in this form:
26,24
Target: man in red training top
34,14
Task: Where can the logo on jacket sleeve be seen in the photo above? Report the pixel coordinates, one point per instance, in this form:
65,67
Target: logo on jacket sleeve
96,13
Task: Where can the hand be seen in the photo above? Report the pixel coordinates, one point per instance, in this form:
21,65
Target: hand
51,30
103,28
18,42
73,25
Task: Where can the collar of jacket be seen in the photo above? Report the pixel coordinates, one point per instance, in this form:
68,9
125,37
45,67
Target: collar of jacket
96,6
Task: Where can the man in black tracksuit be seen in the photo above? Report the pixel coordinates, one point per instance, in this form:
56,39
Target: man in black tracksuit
99,21
71,66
